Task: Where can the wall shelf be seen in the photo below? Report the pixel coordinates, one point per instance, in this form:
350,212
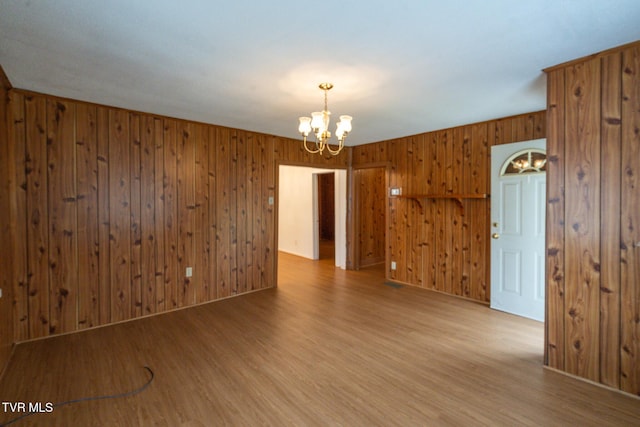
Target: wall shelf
457,197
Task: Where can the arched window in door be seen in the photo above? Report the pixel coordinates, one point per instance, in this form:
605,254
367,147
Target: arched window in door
527,161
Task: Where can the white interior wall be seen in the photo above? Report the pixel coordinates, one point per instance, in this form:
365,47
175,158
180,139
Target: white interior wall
341,218
297,212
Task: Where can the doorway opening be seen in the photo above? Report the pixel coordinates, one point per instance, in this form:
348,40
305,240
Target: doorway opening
326,215
312,213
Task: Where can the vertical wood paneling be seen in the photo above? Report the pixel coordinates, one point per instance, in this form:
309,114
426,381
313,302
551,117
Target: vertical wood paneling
393,204
104,239
257,153
233,211
453,243
170,209
149,239
250,246
136,213
120,215
116,204
630,223
610,223
87,182
447,139
241,211
159,205
414,221
593,291
441,211
269,223
63,219
7,223
554,349
37,216
223,212
429,251
18,206
469,211
202,273
402,235
370,209
186,212
480,245
213,213
582,217
457,156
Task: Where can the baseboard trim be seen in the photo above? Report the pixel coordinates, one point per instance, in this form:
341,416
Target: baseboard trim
595,383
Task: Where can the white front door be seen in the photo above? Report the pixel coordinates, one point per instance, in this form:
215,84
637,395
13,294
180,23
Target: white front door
518,228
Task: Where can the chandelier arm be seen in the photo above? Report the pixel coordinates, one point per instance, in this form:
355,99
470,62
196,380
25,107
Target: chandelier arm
304,143
335,152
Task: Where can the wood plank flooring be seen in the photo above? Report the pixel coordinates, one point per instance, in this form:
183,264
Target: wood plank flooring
327,347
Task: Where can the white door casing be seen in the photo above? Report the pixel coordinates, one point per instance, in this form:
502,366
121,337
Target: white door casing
518,234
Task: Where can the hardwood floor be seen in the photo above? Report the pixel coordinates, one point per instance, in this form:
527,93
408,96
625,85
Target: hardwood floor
327,347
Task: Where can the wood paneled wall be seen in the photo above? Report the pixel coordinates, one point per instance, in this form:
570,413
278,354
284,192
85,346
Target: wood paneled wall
593,218
371,212
436,246
6,234
112,206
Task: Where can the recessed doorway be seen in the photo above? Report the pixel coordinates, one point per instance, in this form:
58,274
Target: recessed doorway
300,209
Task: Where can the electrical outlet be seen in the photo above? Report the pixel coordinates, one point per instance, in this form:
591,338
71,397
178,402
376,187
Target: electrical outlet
271,200
393,265
396,191
189,272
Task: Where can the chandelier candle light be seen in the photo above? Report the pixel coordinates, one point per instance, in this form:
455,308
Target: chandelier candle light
319,124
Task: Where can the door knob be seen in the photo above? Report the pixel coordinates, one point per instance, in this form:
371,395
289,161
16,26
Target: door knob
495,236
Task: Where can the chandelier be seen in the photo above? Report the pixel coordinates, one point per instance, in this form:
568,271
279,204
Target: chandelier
319,124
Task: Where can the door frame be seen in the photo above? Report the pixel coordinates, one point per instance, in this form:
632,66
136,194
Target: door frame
343,205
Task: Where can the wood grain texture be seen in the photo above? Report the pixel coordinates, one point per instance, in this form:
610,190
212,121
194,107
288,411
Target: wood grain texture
429,267
480,184
592,260
120,246
610,153
202,238
630,223
438,246
63,216
148,236
7,219
116,204
135,209
87,206
170,210
18,205
370,209
275,358
555,277
582,216
104,239
185,161
223,213
37,215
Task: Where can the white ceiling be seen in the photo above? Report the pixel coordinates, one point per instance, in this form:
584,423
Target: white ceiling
399,67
